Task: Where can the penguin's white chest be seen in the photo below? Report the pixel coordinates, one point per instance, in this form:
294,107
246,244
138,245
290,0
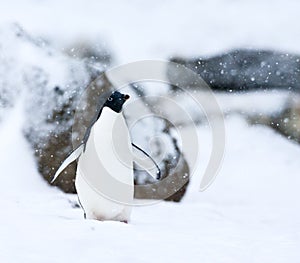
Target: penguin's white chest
104,179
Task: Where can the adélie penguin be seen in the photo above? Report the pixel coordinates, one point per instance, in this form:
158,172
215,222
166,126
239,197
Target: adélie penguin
104,177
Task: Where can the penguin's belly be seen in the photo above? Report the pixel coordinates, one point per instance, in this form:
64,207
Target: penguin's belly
104,179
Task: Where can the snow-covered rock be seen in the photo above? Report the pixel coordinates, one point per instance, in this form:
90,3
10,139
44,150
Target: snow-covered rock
49,83
60,95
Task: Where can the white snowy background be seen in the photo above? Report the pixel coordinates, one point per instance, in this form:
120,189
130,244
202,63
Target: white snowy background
249,214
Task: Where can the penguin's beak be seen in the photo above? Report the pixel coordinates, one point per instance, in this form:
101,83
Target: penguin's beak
126,97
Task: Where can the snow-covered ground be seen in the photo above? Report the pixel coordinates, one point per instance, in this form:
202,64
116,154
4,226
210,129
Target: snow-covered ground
249,214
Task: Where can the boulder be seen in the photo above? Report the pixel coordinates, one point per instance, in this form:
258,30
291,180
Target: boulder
241,70
60,94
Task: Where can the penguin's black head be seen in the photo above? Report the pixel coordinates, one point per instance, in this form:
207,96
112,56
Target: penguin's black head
116,101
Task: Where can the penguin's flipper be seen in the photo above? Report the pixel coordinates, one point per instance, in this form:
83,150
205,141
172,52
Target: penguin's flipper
71,158
147,163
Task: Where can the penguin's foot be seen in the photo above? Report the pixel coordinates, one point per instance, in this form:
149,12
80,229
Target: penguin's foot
124,221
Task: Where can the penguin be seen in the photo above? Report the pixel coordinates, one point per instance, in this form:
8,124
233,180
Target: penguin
104,177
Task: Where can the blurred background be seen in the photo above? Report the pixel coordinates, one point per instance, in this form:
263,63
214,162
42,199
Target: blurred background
248,52
133,30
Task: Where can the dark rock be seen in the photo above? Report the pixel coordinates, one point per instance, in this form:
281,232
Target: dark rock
171,188
242,70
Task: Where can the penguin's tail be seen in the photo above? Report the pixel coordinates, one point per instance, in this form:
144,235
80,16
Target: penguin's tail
71,158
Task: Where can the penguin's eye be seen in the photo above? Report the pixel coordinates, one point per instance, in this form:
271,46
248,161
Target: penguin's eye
110,99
